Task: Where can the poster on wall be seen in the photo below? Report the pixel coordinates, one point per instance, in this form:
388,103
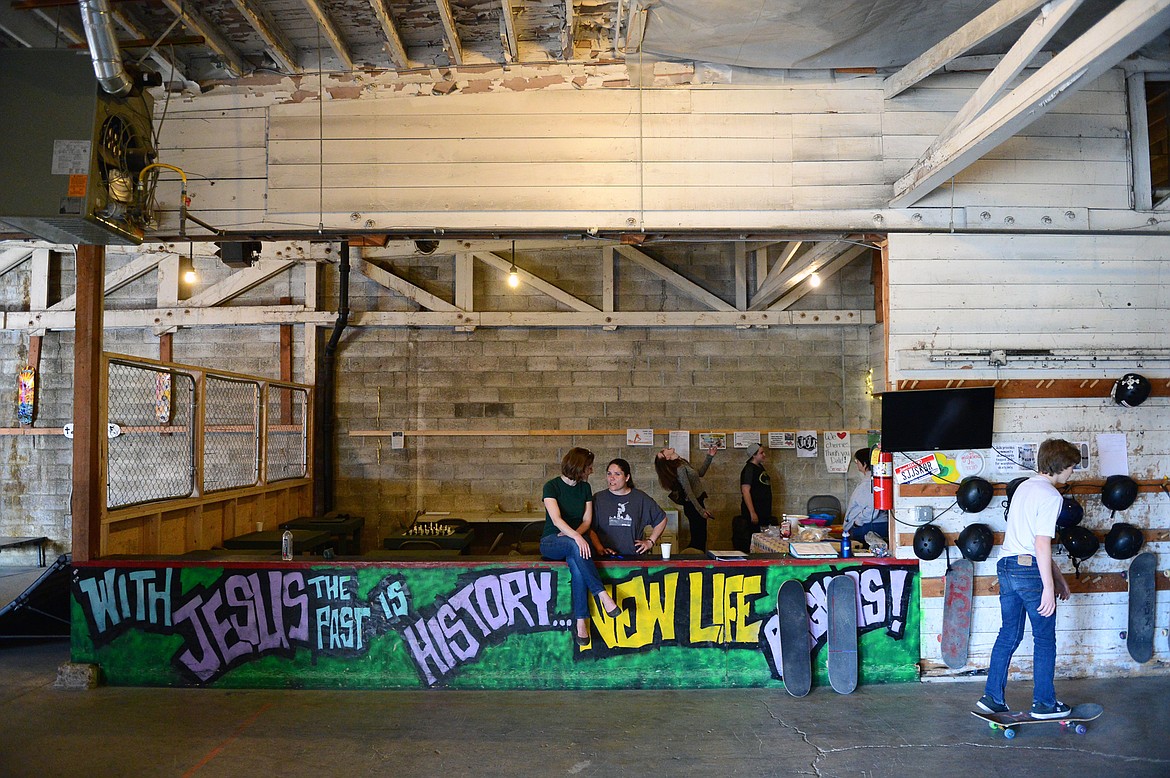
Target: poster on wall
680,441
744,439
782,440
712,440
639,437
837,451
1015,457
807,444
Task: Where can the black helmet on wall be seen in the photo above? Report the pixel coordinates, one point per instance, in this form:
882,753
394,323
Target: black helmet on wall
1119,492
1071,512
973,494
1079,542
975,542
929,542
1123,541
1131,390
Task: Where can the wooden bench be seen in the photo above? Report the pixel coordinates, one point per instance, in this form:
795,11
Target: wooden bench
13,542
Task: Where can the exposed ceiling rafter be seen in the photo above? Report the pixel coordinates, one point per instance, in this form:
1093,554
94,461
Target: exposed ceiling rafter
276,43
798,270
1120,33
971,34
684,285
329,30
508,30
450,32
232,60
395,49
825,271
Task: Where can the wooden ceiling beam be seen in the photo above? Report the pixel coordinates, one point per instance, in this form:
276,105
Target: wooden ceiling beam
170,70
232,60
1128,27
971,34
395,48
450,33
567,37
329,30
508,25
275,41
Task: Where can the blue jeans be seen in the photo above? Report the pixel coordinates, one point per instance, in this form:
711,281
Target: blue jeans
1020,588
583,578
881,527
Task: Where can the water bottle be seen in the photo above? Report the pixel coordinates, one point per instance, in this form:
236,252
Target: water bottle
286,546
846,546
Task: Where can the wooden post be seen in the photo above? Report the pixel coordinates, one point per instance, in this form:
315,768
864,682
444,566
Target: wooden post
286,366
88,495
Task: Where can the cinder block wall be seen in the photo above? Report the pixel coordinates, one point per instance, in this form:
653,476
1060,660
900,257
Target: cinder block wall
494,380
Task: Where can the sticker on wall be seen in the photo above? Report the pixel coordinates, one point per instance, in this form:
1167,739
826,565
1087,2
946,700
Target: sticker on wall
970,462
782,439
26,396
948,469
837,451
807,444
1084,463
917,469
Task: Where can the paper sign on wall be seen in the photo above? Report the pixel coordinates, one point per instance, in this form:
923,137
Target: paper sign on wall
639,437
781,440
837,451
744,439
807,444
709,439
680,441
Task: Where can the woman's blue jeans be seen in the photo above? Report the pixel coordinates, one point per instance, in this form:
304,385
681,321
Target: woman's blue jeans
1020,588
583,578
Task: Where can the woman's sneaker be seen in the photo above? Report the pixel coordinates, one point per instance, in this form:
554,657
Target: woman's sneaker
988,705
1057,711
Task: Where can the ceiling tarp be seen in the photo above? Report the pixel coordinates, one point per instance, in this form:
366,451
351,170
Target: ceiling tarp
803,33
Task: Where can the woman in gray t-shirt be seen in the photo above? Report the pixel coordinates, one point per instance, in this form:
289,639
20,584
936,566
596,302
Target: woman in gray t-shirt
621,514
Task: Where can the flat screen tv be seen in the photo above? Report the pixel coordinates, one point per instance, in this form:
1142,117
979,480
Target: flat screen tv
937,419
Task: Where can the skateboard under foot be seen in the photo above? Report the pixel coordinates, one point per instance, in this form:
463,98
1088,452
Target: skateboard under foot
1074,722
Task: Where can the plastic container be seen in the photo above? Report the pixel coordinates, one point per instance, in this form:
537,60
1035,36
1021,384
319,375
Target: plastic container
286,546
846,546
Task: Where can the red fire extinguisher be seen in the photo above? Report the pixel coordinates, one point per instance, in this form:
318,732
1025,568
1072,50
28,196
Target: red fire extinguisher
883,480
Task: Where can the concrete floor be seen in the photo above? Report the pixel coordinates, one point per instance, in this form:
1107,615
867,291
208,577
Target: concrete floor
907,729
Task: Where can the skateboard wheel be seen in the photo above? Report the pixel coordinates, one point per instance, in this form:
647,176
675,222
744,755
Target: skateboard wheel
1063,726
1082,729
1123,634
993,725
1009,733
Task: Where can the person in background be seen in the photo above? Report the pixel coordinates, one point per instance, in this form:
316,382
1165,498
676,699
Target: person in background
861,517
685,485
1030,582
568,512
621,514
755,506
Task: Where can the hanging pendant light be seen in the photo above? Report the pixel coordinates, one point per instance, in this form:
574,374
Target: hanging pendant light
513,274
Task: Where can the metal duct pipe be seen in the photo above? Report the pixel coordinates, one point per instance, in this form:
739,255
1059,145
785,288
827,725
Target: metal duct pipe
103,47
325,412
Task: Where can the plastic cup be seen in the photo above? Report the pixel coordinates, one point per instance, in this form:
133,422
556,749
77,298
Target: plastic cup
666,551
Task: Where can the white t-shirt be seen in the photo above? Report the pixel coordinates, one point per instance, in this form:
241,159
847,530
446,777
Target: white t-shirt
1035,506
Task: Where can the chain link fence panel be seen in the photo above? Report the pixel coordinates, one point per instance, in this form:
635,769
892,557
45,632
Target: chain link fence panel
287,433
231,433
151,449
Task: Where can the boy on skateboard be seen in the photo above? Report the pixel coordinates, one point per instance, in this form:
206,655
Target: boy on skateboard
1030,582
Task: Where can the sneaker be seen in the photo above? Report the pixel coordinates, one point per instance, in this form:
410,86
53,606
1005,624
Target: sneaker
1057,711
988,705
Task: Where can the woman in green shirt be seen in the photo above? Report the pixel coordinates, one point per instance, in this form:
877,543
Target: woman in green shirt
568,512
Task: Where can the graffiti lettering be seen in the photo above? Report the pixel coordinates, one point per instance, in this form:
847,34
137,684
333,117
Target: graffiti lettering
883,599
242,617
484,610
337,620
118,600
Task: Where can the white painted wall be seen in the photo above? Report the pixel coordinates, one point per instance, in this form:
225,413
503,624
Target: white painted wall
1093,294
618,157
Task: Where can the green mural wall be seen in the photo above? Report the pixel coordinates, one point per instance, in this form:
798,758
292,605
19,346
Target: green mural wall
471,625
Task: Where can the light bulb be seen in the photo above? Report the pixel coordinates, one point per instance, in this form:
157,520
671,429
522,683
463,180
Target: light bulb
814,280
513,278
190,277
